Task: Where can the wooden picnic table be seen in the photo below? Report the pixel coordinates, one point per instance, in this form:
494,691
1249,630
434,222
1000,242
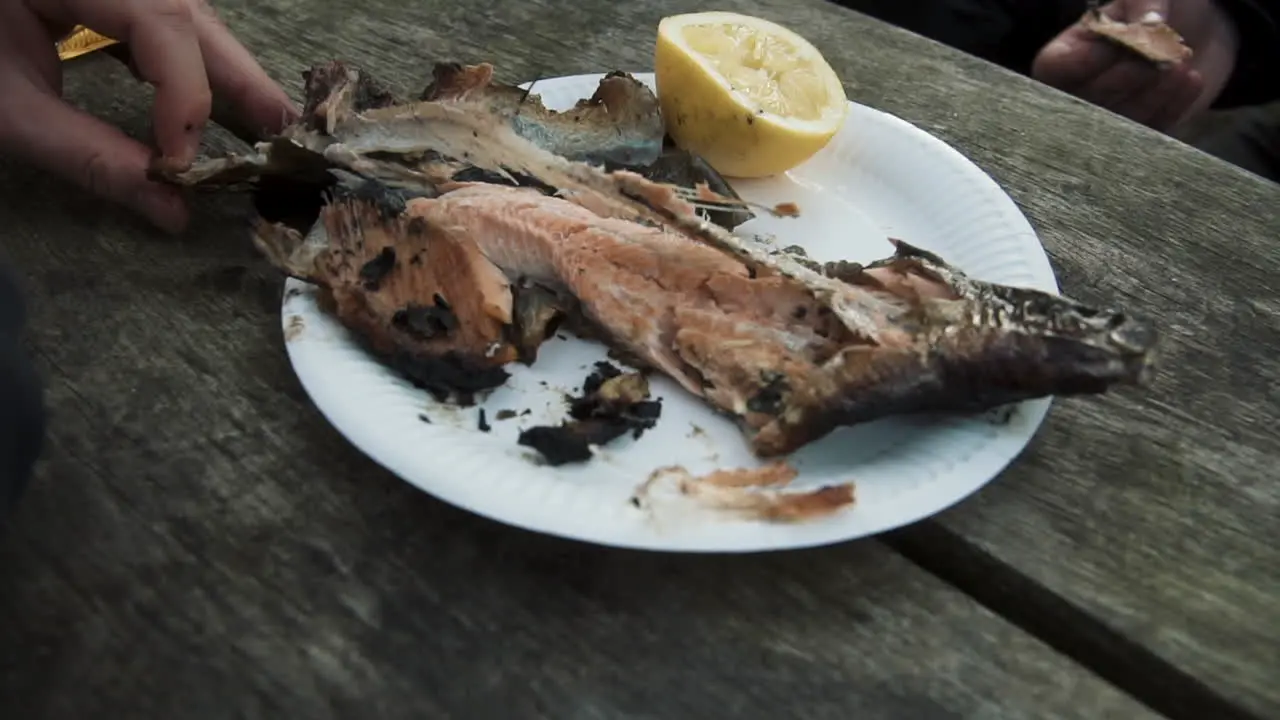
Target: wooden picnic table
199,543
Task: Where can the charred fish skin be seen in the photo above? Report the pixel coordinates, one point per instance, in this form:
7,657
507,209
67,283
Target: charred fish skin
619,124
1089,348
618,127
990,346
335,89
334,133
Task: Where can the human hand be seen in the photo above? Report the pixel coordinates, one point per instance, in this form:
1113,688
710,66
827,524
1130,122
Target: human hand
178,46
1092,68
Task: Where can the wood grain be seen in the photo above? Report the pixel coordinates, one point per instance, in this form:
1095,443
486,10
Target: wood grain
1153,510
199,538
199,542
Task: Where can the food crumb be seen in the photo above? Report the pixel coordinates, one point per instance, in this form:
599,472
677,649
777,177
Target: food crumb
505,414
1000,416
612,404
786,209
423,417
754,493
294,328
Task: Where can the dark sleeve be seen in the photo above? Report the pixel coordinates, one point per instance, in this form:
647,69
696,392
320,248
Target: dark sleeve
1256,79
1008,33
22,413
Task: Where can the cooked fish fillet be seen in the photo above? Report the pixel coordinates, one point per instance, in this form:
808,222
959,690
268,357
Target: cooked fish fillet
1150,38
789,348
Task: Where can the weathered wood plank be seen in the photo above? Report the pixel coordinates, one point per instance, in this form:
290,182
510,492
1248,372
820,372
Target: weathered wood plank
1149,509
200,544
227,514
1155,511
173,591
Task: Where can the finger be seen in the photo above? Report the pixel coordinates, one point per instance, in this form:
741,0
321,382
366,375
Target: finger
220,112
238,80
1149,11
1151,105
166,51
61,139
1123,80
56,29
31,43
120,52
1181,105
1074,58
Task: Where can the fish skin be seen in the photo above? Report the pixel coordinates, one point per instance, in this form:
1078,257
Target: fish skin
620,124
421,296
619,127
791,348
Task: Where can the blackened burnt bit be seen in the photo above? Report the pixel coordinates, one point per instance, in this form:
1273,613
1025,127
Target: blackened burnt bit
603,371
451,375
426,322
562,445
613,404
389,203
768,400
376,270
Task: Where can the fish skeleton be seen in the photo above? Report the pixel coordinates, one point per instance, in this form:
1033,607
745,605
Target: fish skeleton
451,240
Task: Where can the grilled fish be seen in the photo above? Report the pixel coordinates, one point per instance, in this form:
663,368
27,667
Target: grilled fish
1149,38
618,128
430,268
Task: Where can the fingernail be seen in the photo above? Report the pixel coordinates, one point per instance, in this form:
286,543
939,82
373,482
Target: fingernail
1151,18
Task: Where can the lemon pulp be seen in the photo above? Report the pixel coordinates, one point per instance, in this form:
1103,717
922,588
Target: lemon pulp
768,69
750,96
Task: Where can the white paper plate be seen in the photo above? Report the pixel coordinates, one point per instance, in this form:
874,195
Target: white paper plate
879,177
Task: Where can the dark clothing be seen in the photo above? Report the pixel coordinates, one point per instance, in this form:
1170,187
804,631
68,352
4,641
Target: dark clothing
1006,32
1011,32
1257,75
1250,139
22,413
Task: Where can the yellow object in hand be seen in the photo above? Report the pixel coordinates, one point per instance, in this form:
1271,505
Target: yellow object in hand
82,41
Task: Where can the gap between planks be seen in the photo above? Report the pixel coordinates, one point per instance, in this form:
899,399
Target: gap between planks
1061,625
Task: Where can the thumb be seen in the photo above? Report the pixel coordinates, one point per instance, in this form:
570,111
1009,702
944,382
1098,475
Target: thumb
1072,59
1150,11
59,138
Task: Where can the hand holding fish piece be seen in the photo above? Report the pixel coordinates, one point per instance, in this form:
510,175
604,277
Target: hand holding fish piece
1129,56
178,46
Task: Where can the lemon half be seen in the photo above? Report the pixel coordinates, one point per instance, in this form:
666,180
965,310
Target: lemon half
750,96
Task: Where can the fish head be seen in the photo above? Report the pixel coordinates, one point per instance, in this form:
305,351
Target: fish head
1085,346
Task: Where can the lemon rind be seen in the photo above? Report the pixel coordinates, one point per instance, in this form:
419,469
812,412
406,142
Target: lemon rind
832,116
